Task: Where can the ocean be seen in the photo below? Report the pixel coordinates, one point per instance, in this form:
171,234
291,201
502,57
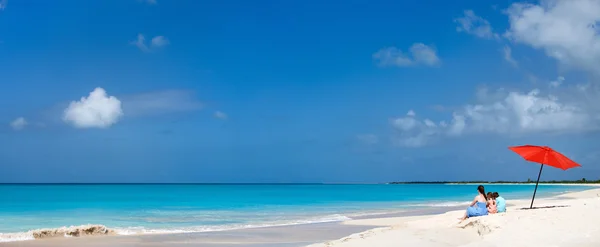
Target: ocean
182,208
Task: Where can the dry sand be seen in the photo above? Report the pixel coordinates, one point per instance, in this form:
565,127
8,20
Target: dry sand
568,220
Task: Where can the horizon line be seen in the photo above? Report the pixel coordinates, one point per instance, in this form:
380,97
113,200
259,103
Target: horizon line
308,183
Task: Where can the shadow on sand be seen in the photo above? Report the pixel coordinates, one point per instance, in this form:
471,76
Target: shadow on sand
558,206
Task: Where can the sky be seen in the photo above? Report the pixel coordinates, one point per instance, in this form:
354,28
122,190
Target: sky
236,91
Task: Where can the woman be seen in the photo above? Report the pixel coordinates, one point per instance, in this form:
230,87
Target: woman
479,205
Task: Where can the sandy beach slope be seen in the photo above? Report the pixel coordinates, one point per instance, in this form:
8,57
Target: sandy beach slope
567,220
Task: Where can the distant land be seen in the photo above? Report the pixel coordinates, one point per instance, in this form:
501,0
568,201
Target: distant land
529,181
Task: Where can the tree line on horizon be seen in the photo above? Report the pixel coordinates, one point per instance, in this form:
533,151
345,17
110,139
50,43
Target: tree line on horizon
529,181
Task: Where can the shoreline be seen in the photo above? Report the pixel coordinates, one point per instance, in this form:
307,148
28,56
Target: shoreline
101,231
275,236
339,228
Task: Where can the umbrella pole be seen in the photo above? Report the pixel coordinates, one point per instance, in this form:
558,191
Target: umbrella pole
536,185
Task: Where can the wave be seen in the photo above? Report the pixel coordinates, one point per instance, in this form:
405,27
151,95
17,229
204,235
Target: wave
95,230
72,231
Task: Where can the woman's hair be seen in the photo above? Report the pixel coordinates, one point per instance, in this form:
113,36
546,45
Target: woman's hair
490,195
481,190
496,195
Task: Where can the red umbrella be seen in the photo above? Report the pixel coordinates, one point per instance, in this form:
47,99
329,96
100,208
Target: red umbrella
545,156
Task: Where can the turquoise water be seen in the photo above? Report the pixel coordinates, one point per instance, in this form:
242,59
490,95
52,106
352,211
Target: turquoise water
134,209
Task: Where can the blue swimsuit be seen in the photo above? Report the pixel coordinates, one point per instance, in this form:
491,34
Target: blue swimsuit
479,209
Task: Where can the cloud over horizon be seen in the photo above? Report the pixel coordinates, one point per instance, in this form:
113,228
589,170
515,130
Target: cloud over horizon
510,113
98,110
566,31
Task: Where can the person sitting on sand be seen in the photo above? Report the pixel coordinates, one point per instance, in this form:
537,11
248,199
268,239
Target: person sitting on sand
500,202
491,204
479,205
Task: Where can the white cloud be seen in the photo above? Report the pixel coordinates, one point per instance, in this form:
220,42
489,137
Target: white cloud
423,54
509,114
524,113
220,115
156,43
406,123
160,102
19,123
507,52
98,110
392,56
140,42
413,132
566,30
140,105
420,54
159,41
475,25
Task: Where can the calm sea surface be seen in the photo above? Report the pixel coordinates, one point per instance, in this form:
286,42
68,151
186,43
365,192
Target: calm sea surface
135,209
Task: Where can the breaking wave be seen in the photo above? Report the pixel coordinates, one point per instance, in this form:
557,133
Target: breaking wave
96,230
72,231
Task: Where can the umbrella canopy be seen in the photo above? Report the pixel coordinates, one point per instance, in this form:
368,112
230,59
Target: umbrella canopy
545,156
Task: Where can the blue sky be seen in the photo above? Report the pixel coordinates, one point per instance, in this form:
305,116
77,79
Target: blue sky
295,91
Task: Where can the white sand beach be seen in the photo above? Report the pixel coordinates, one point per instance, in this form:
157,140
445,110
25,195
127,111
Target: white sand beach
566,220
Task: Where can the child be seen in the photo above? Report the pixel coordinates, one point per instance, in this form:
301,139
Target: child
492,208
500,202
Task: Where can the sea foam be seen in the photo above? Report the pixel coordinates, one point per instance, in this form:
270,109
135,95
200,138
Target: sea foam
95,230
72,231
197,229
